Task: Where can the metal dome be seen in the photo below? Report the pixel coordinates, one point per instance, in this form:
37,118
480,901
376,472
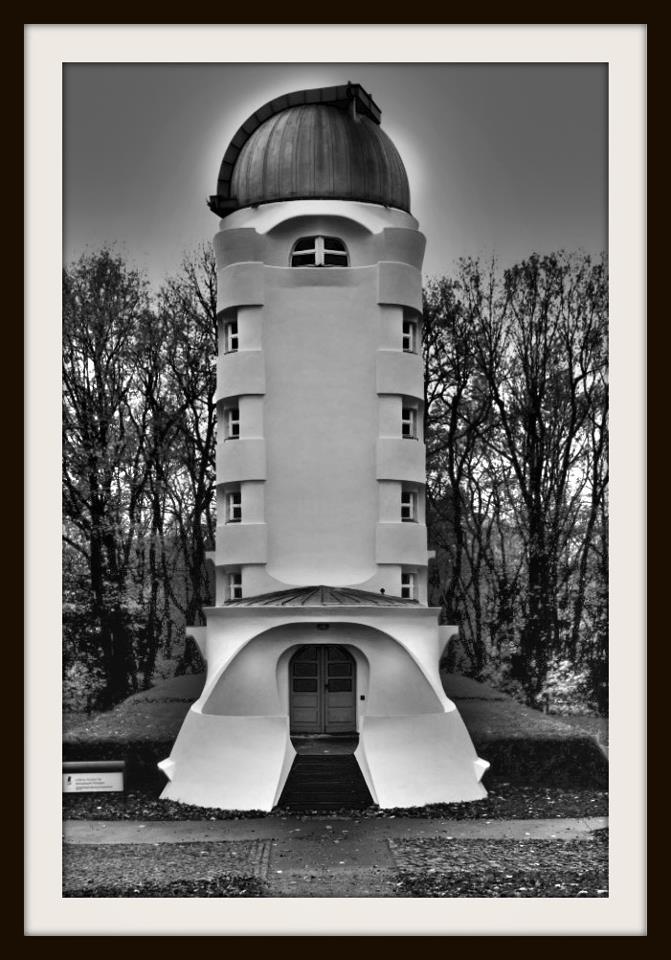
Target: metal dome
323,144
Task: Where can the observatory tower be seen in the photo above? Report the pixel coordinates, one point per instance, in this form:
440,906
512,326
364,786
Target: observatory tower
321,626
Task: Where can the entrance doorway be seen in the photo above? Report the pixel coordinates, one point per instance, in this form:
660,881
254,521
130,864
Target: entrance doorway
322,690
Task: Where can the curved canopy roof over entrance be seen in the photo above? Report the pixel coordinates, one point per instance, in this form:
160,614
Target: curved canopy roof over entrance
322,596
324,144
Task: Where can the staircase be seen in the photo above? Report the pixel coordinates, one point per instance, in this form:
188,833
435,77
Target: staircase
325,782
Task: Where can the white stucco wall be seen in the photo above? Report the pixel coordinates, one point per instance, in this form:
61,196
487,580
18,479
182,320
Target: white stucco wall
243,459
389,327
321,414
319,349
240,372
413,746
267,216
320,379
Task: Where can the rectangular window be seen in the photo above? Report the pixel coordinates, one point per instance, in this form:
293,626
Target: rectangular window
235,586
233,506
409,423
232,420
408,506
408,586
231,336
409,336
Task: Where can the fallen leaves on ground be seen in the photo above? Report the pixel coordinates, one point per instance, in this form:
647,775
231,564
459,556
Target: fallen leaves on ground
506,801
224,886
439,867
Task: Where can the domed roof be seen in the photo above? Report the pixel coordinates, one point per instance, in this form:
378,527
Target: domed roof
324,144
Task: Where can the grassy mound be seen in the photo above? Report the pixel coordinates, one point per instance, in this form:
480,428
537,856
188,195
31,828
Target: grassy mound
522,745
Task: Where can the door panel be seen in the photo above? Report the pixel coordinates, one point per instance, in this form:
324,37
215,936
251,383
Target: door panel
322,690
340,705
305,691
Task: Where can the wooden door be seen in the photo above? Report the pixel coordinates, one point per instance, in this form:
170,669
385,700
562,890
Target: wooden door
305,691
339,691
322,690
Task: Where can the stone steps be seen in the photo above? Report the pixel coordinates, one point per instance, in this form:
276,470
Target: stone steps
325,783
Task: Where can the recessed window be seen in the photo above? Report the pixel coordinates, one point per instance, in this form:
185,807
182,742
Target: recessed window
235,586
408,586
409,423
233,506
408,506
231,336
410,336
319,252
232,422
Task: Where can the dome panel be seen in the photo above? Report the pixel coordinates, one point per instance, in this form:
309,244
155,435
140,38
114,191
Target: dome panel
322,144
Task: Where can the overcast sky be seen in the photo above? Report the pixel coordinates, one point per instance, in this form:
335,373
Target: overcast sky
502,159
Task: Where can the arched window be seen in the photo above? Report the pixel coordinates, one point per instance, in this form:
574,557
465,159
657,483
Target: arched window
319,252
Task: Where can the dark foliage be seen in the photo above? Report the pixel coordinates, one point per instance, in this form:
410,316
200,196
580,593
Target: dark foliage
138,469
516,369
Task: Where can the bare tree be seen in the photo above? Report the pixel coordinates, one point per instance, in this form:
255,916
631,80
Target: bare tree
104,470
188,304
517,420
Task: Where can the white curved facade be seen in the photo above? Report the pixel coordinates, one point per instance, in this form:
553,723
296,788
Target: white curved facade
320,480
319,379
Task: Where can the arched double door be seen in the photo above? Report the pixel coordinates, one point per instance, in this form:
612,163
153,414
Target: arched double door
322,690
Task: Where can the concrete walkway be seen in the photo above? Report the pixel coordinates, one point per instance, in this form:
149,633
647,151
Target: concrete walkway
299,856
345,831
